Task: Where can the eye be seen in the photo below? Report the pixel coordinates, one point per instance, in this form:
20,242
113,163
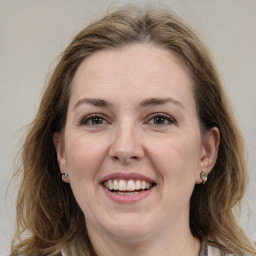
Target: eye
93,119
161,119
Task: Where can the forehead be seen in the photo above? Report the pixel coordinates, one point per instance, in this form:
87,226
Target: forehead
145,69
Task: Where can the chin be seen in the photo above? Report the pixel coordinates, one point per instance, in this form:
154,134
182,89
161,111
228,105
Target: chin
129,235
129,229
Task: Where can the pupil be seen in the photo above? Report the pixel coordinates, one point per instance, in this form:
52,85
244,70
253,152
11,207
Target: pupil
159,120
97,120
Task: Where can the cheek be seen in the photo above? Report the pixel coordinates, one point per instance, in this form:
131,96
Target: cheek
177,159
84,158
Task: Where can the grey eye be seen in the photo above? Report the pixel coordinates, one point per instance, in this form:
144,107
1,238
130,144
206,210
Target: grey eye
161,119
93,120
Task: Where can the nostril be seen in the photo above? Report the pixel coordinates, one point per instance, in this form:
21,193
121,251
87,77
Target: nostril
126,155
125,158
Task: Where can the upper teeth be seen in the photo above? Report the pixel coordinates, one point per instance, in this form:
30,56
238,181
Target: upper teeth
127,185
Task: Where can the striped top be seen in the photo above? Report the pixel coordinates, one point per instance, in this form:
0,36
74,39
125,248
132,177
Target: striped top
207,250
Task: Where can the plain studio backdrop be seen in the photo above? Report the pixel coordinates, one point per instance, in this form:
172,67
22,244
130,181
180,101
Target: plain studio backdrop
33,33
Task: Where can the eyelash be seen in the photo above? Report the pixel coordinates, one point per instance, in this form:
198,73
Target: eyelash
164,117
85,120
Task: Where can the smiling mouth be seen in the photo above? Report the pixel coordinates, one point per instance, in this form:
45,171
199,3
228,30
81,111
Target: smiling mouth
127,187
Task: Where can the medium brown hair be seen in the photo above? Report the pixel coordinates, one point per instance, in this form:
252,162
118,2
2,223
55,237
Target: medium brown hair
47,212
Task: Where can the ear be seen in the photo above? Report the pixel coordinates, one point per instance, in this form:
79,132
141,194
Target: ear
59,144
209,152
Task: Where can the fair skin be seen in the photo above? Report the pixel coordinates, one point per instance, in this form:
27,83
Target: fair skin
132,120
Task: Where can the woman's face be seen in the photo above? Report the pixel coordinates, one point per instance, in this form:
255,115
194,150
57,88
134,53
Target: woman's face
132,145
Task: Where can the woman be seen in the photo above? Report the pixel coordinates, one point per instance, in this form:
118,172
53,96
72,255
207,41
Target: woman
134,149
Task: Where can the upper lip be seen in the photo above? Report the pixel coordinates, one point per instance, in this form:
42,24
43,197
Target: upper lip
126,176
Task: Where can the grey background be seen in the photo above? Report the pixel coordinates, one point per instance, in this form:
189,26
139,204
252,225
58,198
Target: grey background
33,33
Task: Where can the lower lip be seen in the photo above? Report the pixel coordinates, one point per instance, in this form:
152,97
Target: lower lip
127,199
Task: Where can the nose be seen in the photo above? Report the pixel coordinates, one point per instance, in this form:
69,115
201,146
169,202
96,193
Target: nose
126,145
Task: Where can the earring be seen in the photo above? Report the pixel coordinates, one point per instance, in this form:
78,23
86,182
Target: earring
203,176
64,175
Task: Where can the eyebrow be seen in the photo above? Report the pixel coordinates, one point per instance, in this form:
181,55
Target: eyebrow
160,101
145,103
94,102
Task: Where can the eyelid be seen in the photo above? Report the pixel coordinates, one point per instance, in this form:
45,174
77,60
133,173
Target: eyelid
160,114
84,119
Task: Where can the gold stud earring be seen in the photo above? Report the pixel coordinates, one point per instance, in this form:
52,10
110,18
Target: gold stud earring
203,176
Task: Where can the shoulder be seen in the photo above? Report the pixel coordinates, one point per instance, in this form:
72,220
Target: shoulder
213,251
208,250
